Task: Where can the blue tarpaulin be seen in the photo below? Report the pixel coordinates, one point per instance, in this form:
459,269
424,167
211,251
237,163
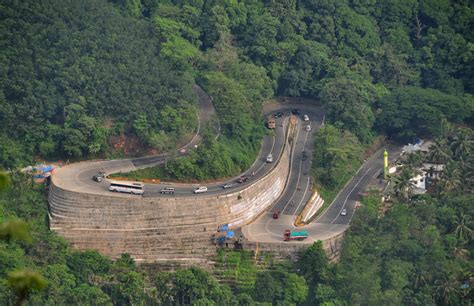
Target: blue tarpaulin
229,234
223,227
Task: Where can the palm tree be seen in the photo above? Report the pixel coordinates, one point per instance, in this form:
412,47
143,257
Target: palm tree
468,175
461,253
447,290
439,151
451,178
414,161
403,184
463,228
461,145
446,128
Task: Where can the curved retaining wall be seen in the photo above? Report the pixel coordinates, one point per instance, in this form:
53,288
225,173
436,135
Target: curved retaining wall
160,228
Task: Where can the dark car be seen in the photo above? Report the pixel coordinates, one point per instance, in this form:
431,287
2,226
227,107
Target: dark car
304,155
276,215
97,178
278,114
243,179
295,112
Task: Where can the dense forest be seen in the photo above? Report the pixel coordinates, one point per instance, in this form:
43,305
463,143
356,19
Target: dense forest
75,76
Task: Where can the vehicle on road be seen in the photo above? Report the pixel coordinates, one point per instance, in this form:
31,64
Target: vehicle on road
295,235
127,187
304,155
243,179
97,178
228,185
270,158
295,112
308,128
305,118
278,114
200,189
276,215
271,123
343,212
167,190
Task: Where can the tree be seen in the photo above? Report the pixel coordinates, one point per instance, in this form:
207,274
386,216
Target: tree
447,290
413,162
314,263
13,230
439,151
267,288
400,116
85,294
5,181
402,184
463,229
24,282
347,106
461,144
450,178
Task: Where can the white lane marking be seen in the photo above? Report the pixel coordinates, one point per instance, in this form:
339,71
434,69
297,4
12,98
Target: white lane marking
348,182
264,163
299,171
345,200
268,230
302,198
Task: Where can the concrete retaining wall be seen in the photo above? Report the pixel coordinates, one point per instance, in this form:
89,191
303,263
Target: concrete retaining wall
284,250
159,228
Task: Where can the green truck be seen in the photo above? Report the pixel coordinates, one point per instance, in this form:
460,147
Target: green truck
300,235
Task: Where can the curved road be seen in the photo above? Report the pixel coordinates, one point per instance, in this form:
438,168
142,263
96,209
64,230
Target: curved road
77,177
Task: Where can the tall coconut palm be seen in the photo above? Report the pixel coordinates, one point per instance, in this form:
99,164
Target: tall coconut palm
468,175
403,185
447,290
414,162
462,143
464,226
461,252
439,152
450,179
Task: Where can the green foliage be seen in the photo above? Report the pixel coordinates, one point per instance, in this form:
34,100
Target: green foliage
23,282
75,73
14,230
414,111
348,106
280,287
415,255
337,154
4,180
72,67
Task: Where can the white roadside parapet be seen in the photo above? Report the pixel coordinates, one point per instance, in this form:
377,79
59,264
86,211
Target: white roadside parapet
313,205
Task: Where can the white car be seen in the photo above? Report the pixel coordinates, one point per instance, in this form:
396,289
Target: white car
305,118
270,158
308,128
200,189
228,185
343,212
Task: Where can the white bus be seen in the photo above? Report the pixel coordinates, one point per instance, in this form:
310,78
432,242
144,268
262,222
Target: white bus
127,187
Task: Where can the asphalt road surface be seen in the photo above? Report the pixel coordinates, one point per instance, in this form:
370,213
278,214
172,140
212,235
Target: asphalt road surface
330,223
78,177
